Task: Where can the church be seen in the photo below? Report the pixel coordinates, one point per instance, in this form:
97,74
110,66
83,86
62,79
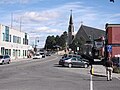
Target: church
84,40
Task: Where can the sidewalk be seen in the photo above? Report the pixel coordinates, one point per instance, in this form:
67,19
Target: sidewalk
100,70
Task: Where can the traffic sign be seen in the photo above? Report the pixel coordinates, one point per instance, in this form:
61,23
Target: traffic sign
109,48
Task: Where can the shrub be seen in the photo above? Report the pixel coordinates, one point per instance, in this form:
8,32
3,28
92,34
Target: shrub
116,70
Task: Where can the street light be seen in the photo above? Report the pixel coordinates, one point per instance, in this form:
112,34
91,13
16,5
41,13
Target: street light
36,42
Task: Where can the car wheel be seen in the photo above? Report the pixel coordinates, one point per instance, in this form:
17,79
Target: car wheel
9,62
70,65
2,62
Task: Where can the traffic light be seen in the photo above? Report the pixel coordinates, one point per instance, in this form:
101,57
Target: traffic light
112,1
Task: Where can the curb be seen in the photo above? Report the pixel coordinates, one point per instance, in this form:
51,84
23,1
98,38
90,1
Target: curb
20,59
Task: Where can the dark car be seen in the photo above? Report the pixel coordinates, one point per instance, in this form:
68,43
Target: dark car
73,61
48,54
5,59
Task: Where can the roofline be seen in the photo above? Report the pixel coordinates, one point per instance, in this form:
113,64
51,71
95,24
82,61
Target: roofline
112,25
92,27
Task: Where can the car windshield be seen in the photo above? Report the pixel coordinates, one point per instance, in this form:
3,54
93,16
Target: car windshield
41,53
37,55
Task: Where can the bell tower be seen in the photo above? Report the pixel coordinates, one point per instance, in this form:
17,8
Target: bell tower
70,30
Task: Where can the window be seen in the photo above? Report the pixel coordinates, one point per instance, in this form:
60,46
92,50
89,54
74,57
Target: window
73,59
13,52
2,50
7,33
6,51
3,36
16,39
9,52
10,38
23,52
23,41
19,52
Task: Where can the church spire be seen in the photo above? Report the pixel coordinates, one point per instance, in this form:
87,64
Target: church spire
70,30
71,20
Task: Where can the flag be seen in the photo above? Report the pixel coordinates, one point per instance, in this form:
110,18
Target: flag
112,1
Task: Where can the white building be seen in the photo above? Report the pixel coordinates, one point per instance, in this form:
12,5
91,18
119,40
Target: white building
13,42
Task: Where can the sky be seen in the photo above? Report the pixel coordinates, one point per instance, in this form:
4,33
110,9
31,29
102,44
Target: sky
41,18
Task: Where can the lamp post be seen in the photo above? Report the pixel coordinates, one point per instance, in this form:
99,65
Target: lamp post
36,42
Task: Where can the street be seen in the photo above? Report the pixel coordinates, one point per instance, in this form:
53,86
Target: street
46,74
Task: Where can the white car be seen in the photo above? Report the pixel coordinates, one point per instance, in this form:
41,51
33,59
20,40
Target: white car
5,59
37,56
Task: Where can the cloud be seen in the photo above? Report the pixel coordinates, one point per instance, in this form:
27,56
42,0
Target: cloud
13,1
18,1
45,30
35,16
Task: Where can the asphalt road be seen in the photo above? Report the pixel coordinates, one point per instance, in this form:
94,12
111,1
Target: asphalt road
46,74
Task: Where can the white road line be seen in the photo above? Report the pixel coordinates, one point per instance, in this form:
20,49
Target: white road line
91,83
117,78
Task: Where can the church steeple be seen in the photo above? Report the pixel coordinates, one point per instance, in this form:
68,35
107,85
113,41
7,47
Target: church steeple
71,20
70,29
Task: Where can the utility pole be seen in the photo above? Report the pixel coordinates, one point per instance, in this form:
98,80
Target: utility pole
20,23
11,20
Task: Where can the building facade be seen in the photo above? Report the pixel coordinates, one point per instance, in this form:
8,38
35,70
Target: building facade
85,40
13,42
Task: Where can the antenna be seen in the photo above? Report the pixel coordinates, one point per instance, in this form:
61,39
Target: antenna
71,11
11,20
20,23
81,22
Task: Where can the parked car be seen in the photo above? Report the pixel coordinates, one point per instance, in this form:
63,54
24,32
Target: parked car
37,56
43,54
5,59
48,54
77,56
73,61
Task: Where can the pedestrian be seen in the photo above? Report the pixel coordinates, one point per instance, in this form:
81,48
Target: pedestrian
109,69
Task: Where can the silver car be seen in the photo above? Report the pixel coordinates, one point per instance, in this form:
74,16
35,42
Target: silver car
74,61
5,59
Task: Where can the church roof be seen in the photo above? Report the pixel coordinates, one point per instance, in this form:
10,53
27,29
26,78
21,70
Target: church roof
90,31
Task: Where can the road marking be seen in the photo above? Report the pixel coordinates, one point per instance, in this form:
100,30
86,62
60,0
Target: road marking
117,78
91,83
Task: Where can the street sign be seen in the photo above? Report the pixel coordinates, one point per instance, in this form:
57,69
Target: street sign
109,48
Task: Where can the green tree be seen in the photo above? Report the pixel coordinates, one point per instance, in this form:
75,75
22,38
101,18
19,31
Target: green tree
50,42
63,40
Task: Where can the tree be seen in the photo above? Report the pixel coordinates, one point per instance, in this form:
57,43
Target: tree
57,39
63,40
50,42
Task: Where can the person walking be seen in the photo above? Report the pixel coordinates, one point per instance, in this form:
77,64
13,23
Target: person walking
109,69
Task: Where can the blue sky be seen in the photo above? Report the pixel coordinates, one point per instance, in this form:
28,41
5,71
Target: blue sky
41,18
